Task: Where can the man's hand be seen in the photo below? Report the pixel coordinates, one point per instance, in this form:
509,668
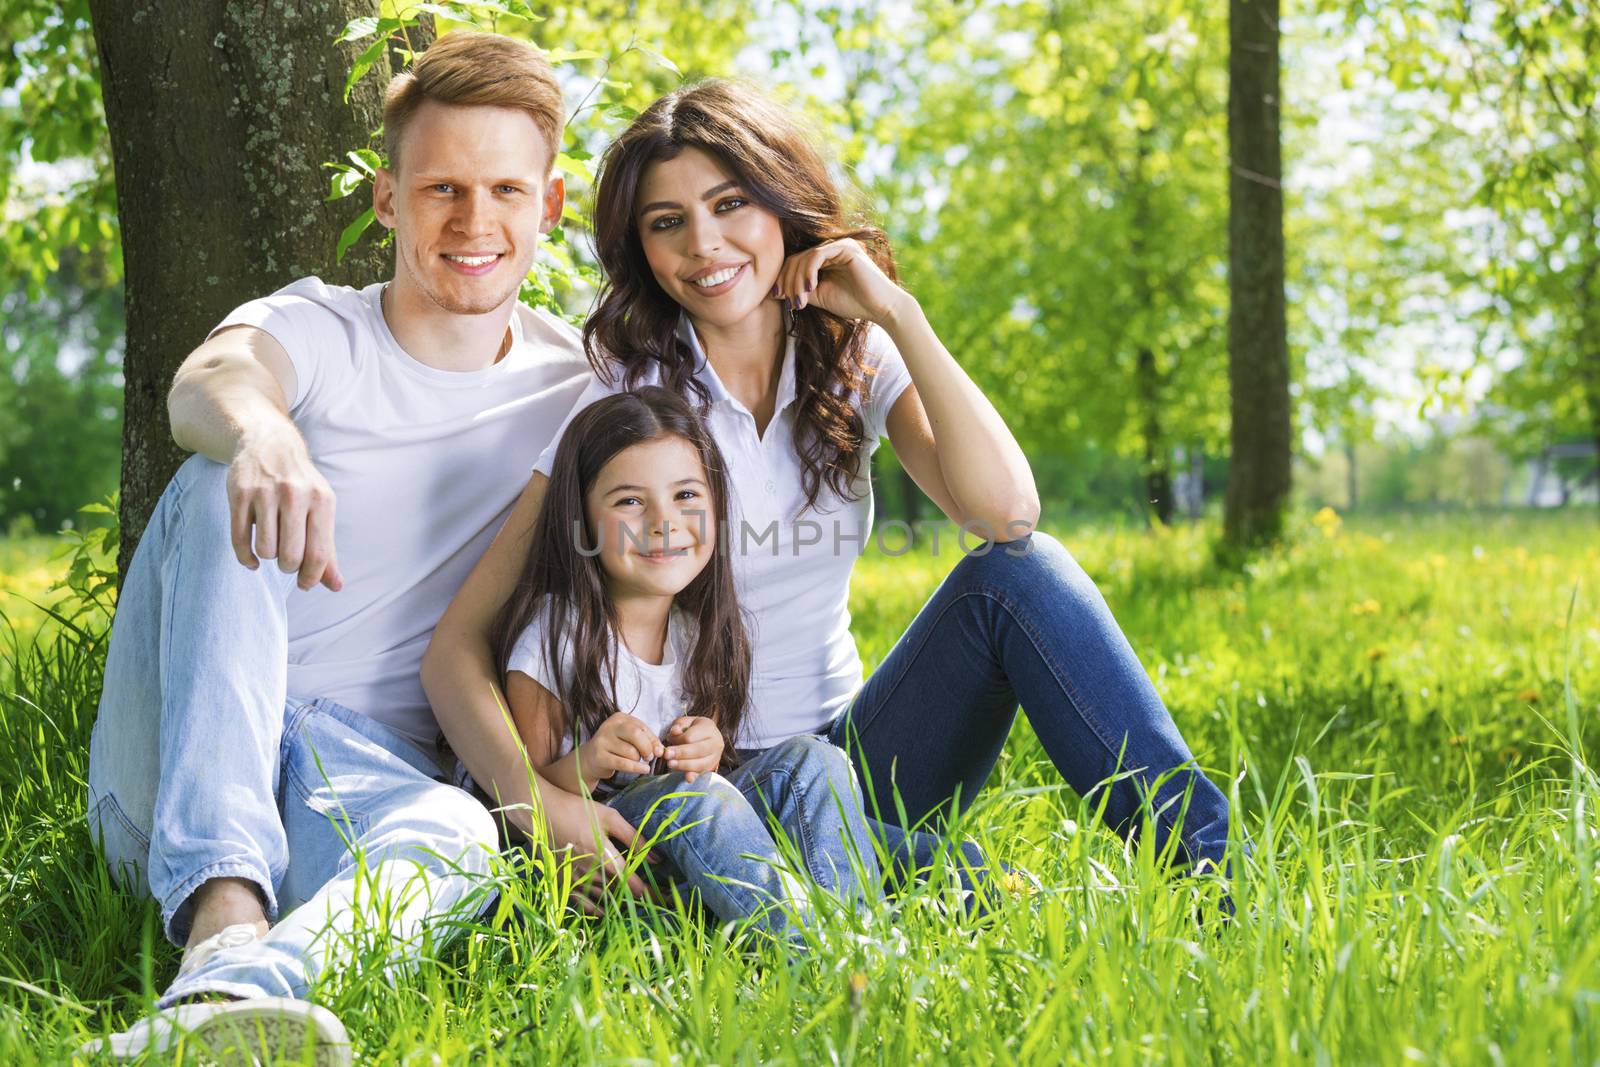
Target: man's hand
277,495
696,747
623,743
591,833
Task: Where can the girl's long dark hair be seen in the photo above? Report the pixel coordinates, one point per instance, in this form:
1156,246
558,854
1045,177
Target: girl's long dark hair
562,569
635,323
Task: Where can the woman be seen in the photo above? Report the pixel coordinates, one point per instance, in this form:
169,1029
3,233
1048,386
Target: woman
733,278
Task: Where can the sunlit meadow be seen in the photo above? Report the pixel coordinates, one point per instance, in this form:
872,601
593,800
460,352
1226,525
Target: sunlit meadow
1401,708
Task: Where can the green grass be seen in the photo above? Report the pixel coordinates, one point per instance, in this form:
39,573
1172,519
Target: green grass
1388,701
28,568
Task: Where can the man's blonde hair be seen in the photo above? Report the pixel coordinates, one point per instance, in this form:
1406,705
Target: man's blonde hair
471,69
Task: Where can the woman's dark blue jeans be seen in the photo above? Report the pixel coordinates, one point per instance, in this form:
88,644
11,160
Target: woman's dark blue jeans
1023,624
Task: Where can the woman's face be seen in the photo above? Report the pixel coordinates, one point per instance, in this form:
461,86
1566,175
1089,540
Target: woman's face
711,248
652,511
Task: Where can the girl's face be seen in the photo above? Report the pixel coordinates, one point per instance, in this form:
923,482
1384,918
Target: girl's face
711,248
652,511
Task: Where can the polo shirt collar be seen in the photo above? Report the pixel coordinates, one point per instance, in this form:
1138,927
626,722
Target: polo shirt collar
707,374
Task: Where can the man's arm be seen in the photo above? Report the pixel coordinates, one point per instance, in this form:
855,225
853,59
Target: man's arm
230,403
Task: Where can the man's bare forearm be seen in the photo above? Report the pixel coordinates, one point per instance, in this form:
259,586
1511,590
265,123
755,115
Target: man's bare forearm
230,403
221,400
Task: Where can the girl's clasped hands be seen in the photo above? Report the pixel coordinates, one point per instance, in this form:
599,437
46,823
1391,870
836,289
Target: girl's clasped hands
625,745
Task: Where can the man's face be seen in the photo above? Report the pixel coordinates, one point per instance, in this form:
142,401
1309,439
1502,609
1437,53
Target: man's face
468,200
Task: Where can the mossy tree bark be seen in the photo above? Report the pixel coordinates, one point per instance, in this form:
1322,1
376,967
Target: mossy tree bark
221,116
1258,349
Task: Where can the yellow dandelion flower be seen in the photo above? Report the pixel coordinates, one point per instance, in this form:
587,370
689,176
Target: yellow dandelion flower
1528,696
1015,883
1376,654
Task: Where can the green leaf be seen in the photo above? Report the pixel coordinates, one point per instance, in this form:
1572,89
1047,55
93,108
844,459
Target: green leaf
660,59
366,160
569,164
565,55
352,233
346,180
369,56
358,29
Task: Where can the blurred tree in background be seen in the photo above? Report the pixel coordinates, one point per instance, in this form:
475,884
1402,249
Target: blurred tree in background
1057,204
60,396
61,318
1053,175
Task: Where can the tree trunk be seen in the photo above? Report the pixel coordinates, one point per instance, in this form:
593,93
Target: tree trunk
1157,456
1148,386
1349,472
1258,350
1589,337
221,116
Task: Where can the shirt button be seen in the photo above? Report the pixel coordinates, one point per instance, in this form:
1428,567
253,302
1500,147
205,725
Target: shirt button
772,487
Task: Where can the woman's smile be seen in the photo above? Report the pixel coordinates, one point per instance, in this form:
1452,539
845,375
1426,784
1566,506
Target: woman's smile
714,281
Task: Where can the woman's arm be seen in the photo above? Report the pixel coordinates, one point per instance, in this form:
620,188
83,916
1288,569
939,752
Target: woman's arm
944,430
458,675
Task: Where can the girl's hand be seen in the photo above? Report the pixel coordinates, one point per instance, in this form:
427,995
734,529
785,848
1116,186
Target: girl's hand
623,743
840,277
696,747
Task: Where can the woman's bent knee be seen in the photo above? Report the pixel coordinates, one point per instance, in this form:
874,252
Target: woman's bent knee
1037,565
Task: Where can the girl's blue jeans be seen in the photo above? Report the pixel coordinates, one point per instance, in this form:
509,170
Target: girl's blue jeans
1023,624
717,833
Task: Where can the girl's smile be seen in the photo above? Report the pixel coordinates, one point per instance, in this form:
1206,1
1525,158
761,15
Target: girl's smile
651,510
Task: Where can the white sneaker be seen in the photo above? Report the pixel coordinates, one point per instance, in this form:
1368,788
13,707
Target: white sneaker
259,1030
236,936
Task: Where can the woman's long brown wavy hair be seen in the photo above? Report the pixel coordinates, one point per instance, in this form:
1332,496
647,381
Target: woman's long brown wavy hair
635,323
562,568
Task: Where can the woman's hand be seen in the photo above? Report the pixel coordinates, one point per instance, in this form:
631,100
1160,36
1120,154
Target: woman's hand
840,277
623,743
591,832
696,747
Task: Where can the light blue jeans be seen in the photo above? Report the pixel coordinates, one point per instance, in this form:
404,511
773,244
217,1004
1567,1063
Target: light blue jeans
717,833
202,767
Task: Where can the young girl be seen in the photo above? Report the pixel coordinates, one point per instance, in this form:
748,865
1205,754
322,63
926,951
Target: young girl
627,670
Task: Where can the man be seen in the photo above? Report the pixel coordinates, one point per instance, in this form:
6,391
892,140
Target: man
264,751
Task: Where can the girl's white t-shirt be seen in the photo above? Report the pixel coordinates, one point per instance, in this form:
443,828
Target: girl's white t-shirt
791,566
652,692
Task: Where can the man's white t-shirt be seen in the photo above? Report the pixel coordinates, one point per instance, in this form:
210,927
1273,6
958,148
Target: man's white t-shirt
791,566
424,465
651,692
